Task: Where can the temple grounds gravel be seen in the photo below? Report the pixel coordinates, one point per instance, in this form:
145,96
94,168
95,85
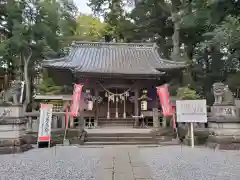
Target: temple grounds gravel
170,163
164,163
60,163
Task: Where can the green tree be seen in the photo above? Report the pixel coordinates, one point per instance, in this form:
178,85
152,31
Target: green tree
118,25
34,29
48,87
89,28
185,93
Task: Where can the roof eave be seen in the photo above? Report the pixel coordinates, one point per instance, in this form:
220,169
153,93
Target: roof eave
122,75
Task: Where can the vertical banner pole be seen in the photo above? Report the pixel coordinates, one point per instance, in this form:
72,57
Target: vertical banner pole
192,135
66,121
174,125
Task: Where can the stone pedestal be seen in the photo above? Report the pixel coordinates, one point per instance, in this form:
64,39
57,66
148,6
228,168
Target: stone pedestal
12,130
226,112
224,125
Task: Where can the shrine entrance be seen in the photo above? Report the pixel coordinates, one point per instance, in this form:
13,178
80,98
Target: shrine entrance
117,103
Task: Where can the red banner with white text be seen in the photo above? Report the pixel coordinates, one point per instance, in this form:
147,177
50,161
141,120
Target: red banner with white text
165,100
76,100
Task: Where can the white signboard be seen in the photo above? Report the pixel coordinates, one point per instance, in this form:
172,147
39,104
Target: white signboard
191,111
45,122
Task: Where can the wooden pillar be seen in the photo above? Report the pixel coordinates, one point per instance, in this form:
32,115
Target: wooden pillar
108,108
136,107
96,108
124,107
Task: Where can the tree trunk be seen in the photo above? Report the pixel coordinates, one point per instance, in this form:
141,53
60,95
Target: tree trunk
27,84
176,18
176,43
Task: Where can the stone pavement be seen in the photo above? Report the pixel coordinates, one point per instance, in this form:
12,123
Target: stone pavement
122,163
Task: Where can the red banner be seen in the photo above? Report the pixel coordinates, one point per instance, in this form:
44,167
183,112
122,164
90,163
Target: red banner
76,100
164,100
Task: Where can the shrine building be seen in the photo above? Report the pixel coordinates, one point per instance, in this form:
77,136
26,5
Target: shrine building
119,79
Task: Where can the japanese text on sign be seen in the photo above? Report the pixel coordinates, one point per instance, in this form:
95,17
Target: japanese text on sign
45,121
191,111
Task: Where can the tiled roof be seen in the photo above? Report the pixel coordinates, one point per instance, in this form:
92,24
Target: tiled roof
114,58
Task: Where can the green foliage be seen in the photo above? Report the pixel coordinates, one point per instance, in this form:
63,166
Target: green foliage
233,81
185,93
89,28
32,26
32,30
208,32
48,87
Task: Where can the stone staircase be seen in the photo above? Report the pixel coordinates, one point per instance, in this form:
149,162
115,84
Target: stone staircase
115,137
116,122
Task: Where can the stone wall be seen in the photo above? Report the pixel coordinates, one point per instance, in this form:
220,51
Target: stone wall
13,130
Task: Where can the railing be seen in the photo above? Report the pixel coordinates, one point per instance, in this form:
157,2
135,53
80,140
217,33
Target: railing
58,121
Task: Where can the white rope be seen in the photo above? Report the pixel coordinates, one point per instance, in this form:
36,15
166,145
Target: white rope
115,94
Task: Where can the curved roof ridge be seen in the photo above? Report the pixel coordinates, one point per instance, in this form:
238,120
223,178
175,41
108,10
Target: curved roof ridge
116,44
166,60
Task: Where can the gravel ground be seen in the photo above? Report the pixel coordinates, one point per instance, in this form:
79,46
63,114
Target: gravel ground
60,163
170,163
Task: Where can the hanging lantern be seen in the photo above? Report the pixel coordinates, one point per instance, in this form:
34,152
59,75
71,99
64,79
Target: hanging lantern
143,105
90,105
144,100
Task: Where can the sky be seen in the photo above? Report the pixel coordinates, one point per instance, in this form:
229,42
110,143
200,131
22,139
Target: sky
82,6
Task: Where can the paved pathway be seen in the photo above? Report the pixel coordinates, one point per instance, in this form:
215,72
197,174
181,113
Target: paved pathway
122,163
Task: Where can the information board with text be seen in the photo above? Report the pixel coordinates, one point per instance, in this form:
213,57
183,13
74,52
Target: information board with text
191,111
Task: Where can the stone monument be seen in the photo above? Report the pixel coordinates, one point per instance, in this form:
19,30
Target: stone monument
224,120
12,121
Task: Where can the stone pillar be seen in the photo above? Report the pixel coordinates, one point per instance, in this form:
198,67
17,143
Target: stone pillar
35,124
29,124
164,121
13,130
136,107
97,109
156,122
63,122
54,122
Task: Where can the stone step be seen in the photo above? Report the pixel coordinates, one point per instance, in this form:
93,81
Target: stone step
164,138
119,121
121,139
119,134
115,125
120,143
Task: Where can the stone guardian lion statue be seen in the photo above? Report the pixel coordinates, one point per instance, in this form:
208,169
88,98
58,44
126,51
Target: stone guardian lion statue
222,94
